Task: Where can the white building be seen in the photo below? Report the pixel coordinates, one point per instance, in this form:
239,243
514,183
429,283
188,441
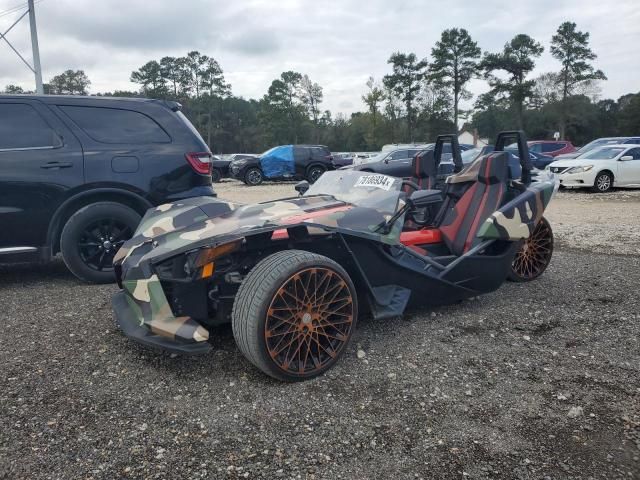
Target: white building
472,138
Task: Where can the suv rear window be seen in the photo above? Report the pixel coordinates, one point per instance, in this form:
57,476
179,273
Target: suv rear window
115,125
320,153
22,127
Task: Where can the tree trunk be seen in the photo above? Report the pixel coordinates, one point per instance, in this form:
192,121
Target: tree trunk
563,106
520,113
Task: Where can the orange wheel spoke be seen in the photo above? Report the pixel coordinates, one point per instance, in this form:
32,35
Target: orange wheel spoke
309,321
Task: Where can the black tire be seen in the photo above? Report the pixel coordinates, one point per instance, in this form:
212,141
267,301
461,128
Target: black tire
534,256
85,240
216,175
314,173
253,177
259,297
603,182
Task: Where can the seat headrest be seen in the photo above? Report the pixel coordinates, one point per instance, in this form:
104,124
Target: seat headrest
424,165
494,168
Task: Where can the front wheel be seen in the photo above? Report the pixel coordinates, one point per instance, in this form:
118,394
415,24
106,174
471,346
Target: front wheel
92,236
294,314
603,182
216,175
534,256
253,177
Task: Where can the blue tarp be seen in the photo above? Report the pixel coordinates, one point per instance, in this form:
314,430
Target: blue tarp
278,162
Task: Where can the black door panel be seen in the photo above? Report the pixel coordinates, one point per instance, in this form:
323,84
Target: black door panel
37,171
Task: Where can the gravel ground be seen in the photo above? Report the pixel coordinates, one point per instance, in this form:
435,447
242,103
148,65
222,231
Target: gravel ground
534,381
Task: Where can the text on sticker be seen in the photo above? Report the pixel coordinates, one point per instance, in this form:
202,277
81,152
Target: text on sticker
377,181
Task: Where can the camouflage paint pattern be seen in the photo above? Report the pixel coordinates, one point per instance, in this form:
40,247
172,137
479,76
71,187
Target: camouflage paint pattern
186,225
172,229
517,219
147,301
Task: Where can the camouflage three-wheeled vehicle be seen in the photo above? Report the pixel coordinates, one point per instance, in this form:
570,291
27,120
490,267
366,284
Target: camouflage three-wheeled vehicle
293,275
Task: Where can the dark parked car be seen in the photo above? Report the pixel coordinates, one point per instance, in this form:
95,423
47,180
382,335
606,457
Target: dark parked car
397,163
552,148
342,160
285,162
220,166
78,173
538,160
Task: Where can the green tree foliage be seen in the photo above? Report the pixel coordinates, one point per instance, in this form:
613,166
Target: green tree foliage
14,90
412,102
455,62
517,61
571,48
282,109
150,77
405,83
629,117
69,82
311,97
372,99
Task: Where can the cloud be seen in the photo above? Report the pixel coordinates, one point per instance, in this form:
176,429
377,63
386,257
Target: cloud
338,43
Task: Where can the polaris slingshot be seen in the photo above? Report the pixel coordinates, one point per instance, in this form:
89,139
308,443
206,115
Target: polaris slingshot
293,275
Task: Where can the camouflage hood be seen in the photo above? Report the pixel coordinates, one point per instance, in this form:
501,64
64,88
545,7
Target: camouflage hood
174,228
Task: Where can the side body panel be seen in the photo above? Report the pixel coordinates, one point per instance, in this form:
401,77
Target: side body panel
34,182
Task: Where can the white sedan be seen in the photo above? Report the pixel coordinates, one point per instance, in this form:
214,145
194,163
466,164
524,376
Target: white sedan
601,169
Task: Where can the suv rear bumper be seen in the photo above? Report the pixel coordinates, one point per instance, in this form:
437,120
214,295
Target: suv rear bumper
129,323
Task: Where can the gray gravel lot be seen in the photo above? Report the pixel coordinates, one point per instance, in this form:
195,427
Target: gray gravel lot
534,381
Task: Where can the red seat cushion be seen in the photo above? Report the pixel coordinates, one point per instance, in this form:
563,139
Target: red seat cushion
421,237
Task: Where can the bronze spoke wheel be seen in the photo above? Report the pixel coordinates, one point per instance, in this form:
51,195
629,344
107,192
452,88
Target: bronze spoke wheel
309,321
533,257
294,314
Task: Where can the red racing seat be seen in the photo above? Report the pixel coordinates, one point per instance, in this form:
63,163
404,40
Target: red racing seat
462,219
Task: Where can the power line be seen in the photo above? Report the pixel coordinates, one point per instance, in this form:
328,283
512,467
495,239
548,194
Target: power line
17,8
30,10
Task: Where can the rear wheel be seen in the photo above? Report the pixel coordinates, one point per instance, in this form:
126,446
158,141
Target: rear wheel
92,236
534,255
314,173
603,182
294,314
216,175
253,176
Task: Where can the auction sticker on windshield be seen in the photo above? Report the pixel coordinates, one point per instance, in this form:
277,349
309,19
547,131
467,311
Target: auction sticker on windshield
377,181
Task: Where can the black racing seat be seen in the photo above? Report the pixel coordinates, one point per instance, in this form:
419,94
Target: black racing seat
424,169
485,185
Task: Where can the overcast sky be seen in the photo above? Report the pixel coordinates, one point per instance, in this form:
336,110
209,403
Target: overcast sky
338,43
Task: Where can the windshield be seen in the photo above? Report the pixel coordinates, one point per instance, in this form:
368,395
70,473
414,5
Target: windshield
470,155
598,143
363,189
603,153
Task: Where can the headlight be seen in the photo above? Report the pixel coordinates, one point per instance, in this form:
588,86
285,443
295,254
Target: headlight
582,169
197,264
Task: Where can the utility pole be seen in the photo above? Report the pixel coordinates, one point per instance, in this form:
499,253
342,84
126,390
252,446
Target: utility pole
37,69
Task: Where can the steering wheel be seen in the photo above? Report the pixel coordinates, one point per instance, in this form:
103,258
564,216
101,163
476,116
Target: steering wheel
411,184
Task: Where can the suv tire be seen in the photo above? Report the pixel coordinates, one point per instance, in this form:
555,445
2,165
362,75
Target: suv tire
253,177
315,172
92,236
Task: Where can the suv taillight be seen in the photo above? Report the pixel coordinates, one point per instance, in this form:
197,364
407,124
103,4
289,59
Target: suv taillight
200,162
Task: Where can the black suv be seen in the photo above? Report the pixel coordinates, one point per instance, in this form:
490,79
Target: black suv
78,173
286,162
